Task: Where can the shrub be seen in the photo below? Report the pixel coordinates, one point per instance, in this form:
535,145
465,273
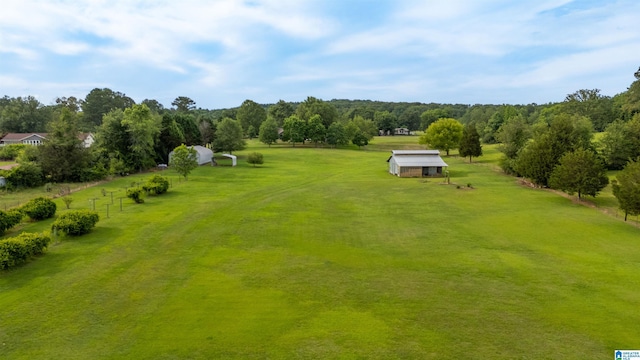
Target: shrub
135,194
39,208
9,219
28,174
67,200
255,158
156,185
11,152
17,250
76,222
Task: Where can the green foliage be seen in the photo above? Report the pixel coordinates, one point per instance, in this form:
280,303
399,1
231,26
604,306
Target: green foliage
336,135
228,136
386,121
135,194
11,152
626,188
280,111
294,130
63,157
621,143
269,131
313,106
156,185
75,222
183,104
316,131
99,102
17,250
444,134
28,174
470,142
360,139
23,115
39,208
251,114
430,116
367,127
183,160
591,104
9,219
581,172
255,158
67,200
142,127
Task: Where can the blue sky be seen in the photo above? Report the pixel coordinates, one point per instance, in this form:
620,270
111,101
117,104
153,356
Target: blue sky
220,53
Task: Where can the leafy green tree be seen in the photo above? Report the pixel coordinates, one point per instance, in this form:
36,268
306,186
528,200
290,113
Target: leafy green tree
360,139
183,160
23,114
336,135
251,114
154,106
294,130
410,117
512,136
470,143
187,124
386,121
579,171
63,157
183,104
316,131
621,143
591,104
444,134
228,136
367,127
142,128
99,102
312,106
505,113
113,141
626,188
280,111
430,116
255,158
169,138
269,131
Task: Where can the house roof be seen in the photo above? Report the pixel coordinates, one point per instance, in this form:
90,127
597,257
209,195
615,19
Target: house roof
21,136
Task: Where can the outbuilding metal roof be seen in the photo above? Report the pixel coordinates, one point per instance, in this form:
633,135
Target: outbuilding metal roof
415,152
420,161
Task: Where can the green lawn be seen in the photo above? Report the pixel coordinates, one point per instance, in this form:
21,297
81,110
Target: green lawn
320,253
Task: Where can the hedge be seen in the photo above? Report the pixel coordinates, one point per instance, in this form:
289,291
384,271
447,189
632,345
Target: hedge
17,250
76,222
156,185
9,219
39,208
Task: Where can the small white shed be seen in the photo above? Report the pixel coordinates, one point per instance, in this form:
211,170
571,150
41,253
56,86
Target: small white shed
416,163
203,154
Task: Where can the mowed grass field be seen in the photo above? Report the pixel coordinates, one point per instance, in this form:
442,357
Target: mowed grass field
321,254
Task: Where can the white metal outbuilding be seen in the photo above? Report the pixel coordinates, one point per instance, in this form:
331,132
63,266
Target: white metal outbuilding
416,163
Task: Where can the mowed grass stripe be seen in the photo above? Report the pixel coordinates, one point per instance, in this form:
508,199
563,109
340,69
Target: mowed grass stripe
321,254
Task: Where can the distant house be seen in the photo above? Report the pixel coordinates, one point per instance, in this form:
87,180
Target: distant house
416,163
23,138
401,131
36,139
203,155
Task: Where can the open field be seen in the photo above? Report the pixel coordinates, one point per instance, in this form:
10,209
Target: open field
320,253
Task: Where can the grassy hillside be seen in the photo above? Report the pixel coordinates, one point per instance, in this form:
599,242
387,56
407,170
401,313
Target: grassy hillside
320,253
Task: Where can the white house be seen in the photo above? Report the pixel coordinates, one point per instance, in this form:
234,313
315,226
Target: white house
38,139
416,163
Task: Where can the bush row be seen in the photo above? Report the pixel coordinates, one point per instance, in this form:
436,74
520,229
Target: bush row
76,222
9,219
17,250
